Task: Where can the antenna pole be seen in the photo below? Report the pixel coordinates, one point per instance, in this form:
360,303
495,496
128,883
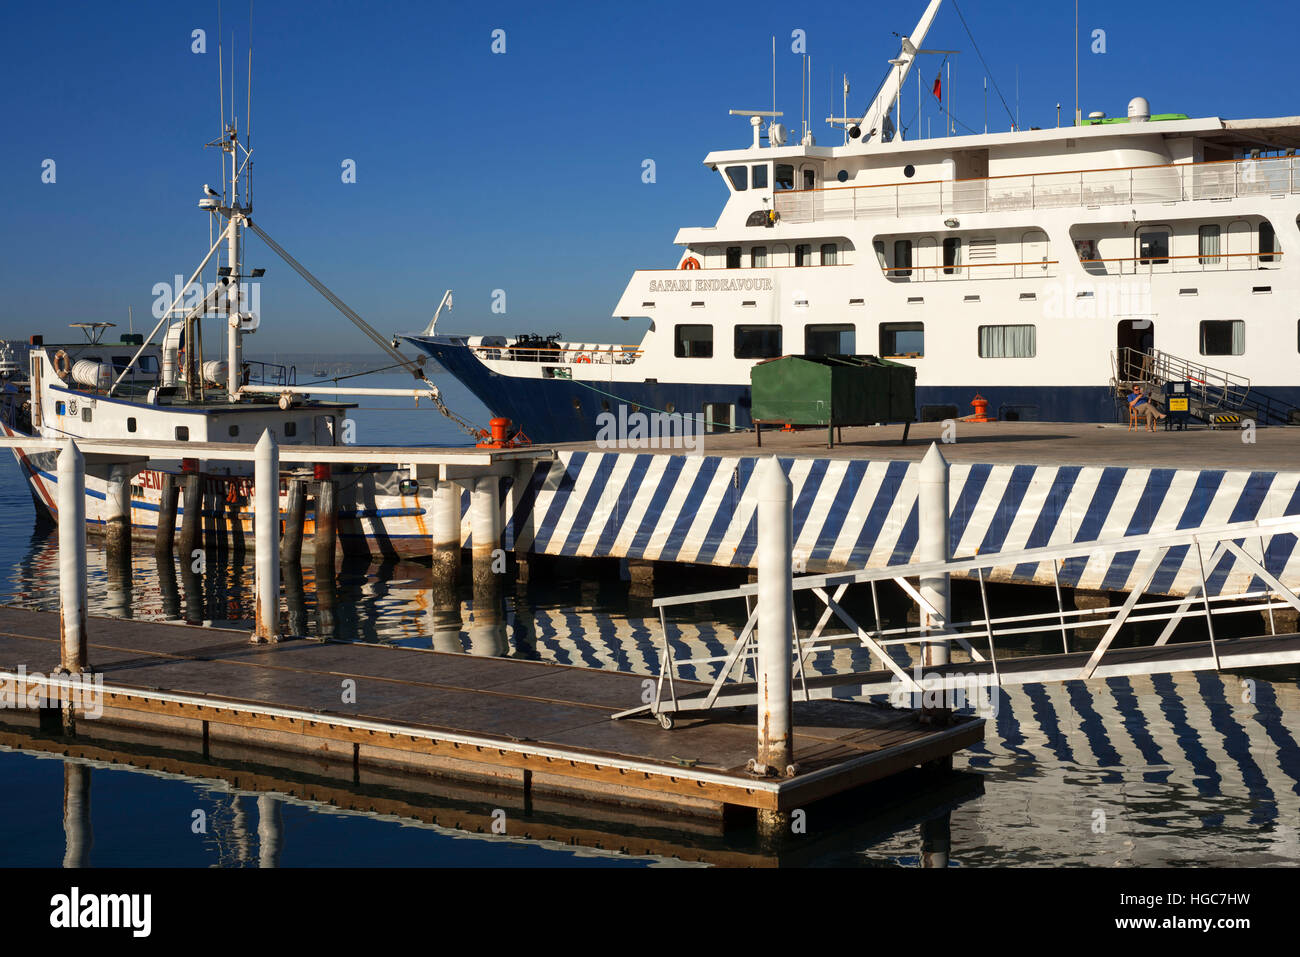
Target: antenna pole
1076,63
774,73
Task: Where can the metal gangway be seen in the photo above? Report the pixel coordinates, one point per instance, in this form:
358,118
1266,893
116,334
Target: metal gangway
1116,653
1211,390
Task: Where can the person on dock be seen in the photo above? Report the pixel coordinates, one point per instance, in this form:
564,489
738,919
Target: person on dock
1140,403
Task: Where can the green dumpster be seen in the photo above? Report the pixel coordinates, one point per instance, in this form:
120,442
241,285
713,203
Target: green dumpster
833,391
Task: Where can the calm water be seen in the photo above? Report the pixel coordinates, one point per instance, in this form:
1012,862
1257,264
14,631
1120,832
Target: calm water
1186,769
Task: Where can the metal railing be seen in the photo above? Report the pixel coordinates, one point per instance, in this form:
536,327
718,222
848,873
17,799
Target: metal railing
1212,389
731,685
1154,265
1181,182
561,354
1043,268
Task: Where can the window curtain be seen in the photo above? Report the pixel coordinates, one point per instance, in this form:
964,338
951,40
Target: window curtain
1238,337
1008,342
1209,245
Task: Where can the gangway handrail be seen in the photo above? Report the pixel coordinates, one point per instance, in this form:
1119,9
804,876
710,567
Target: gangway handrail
1227,541
1282,525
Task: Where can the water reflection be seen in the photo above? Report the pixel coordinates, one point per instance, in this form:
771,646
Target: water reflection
1186,768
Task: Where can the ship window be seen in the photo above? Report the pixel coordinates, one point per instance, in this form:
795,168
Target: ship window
909,171
951,255
842,176
232,431
1267,242
758,342
86,414
829,254
829,340
1209,244
1223,337
784,176
182,433
1008,342
60,408
902,258
739,176
809,179
733,257
290,429
693,342
758,257
1153,247
147,364
130,424
717,416
760,177
803,254
902,338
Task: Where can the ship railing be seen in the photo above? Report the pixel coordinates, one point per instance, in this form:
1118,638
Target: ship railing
561,354
963,271
269,373
1149,264
1179,182
843,635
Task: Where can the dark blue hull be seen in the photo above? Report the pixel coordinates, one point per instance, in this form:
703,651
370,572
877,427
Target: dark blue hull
564,410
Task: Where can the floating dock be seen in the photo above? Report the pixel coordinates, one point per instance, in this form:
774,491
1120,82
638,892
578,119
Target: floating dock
538,727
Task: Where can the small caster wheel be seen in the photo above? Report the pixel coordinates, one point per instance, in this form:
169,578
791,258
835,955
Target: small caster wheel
665,720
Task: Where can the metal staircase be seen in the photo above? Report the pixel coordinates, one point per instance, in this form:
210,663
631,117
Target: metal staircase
1217,397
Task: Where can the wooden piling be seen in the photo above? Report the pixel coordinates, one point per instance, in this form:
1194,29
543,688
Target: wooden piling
117,517
165,535
295,517
191,518
327,526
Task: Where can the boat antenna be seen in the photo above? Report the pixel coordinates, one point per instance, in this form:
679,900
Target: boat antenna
221,102
1076,63
248,117
774,73
987,71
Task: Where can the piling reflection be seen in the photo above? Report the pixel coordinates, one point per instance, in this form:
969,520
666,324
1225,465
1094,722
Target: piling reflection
77,833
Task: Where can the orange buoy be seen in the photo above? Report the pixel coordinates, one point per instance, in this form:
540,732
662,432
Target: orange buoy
690,262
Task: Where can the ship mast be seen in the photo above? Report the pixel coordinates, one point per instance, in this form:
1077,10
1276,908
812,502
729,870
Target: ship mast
873,121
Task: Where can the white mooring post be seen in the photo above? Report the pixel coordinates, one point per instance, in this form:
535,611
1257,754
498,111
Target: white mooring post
72,558
932,515
444,523
266,532
775,618
485,526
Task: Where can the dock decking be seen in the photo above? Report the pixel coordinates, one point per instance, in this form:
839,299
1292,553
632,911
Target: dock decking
539,726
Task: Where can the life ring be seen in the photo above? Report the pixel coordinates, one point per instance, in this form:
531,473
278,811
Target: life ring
62,364
583,359
690,262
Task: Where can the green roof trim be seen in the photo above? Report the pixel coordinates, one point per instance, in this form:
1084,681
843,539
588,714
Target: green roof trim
1155,118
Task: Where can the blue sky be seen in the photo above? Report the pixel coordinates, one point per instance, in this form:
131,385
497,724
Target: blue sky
479,171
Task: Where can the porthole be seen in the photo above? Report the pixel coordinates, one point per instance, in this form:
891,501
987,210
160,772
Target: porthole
909,171
842,176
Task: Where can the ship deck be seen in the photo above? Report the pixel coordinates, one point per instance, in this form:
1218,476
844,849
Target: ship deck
1016,443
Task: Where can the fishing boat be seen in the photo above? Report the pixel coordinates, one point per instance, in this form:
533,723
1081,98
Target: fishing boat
1039,270
168,387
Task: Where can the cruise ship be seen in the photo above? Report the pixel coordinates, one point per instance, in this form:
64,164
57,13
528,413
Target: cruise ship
1043,270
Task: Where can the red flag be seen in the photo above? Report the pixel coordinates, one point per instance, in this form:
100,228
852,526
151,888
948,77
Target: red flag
938,87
